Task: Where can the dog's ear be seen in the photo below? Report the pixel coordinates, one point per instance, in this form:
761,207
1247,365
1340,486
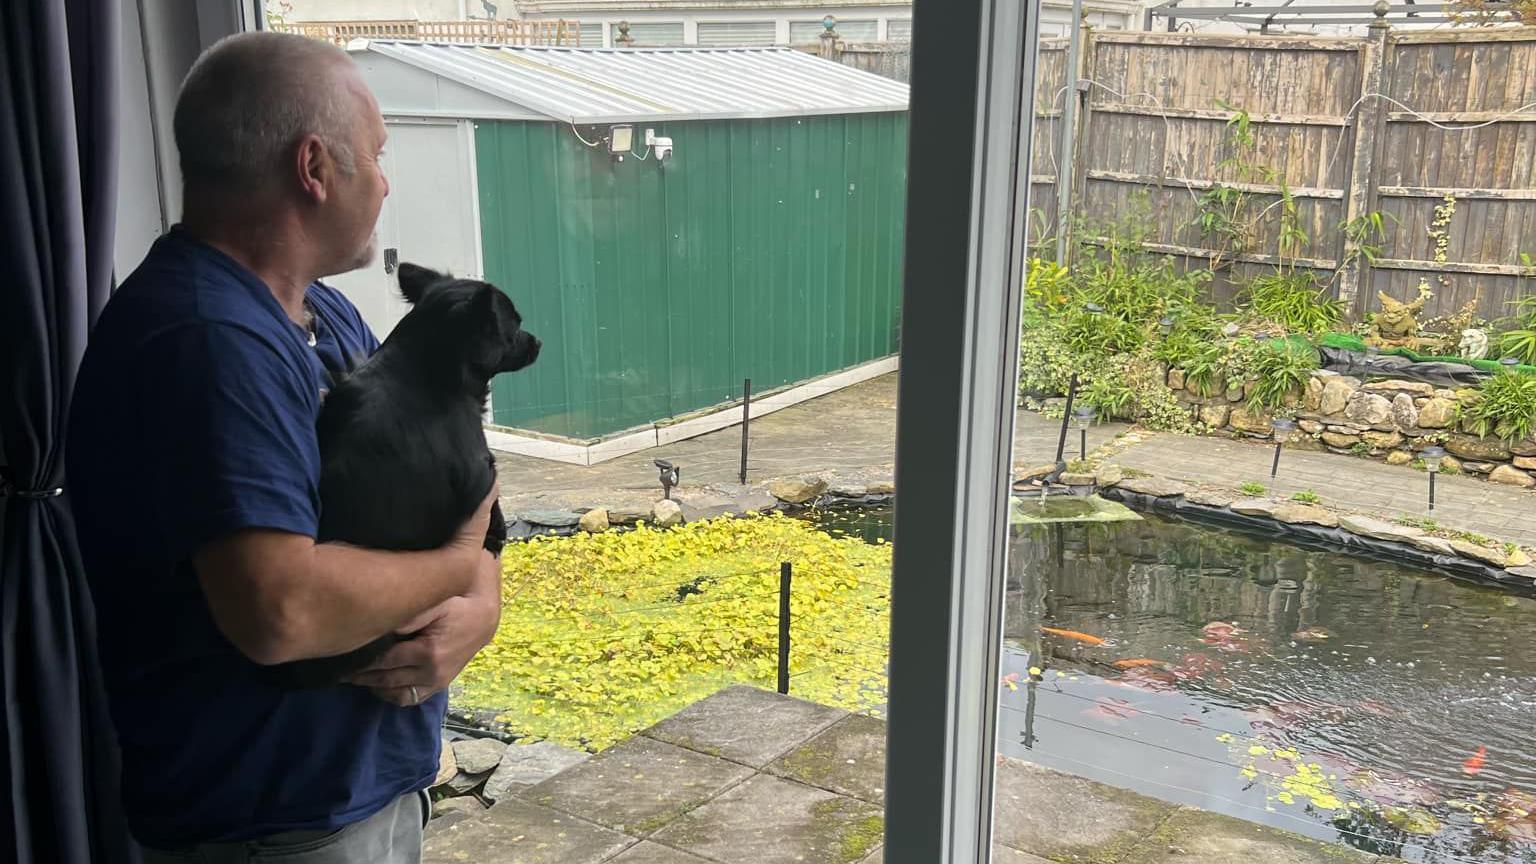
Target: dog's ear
415,280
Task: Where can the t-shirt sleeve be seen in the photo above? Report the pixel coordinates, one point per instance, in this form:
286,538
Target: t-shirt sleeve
230,430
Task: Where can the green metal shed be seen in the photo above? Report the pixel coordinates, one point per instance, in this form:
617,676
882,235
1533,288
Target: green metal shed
767,244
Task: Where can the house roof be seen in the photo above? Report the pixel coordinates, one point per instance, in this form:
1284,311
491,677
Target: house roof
584,85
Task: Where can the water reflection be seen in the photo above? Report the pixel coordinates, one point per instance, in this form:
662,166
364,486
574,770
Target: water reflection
1338,697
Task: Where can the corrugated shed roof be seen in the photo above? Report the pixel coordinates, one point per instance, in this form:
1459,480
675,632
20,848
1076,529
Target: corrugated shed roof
617,85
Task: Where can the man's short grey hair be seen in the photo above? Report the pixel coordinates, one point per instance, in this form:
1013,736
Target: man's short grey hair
250,98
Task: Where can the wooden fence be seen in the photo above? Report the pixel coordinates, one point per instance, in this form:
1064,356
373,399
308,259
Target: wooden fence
1390,123
488,32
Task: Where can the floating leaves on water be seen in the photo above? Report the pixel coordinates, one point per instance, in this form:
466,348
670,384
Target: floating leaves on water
1225,737
1414,820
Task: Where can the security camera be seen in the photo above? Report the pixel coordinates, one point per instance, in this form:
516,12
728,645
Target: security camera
662,147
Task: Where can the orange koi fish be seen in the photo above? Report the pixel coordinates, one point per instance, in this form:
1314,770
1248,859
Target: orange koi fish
1073,634
1474,763
1138,663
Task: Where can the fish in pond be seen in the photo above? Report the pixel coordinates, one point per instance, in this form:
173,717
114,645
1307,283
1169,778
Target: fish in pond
1474,763
1148,678
1220,629
1074,635
1111,711
1139,662
1312,634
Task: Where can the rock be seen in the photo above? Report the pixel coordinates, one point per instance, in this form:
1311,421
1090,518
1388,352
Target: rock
1433,545
1076,478
478,755
526,765
1399,457
1478,449
1417,388
1034,471
1496,557
1340,440
1446,393
1305,442
1296,513
627,517
1110,475
1517,558
1336,394
1311,427
1157,487
1382,440
464,783
1254,506
1477,467
1291,399
1524,448
1210,497
1512,476
1526,462
451,811
594,521
1450,465
797,490
1235,393
1243,420
1525,571
1216,414
552,518
1437,413
666,514
1368,409
849,490
1312,397
447,766
1367,526
886,486
1404,413
1175,379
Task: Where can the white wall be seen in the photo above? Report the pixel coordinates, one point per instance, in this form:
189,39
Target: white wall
393,10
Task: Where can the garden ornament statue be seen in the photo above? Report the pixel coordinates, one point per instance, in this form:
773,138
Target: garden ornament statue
1397,324
1474,344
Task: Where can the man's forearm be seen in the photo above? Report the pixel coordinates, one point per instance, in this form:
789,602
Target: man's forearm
282,597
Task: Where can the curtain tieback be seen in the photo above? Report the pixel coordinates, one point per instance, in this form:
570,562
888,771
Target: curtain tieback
9,490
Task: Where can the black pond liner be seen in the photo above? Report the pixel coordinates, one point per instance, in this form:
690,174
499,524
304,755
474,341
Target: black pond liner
1332,539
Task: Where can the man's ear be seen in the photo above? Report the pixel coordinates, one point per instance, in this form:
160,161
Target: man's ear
415,280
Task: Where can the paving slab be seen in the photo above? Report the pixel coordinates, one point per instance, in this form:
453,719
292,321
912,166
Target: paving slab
524,765
770,820
517,832
1006,855
655,853
1192,835
637,786
848,758
1069,819
746,725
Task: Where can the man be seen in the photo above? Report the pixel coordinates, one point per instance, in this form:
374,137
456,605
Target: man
195,468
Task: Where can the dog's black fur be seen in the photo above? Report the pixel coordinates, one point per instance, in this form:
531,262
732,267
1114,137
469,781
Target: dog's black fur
403,458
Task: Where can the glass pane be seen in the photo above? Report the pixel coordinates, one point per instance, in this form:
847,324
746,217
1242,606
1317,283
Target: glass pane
898,29
591,35
736,33
652,35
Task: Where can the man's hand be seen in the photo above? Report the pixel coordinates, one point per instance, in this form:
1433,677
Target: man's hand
441,641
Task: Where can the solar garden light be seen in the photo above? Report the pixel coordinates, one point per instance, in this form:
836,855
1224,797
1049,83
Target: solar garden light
1282,427
1509,363
670,475
1165,325
1082,418
1432,456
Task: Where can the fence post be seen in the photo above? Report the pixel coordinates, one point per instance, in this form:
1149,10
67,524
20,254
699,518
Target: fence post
1067,165
786,575
1360,188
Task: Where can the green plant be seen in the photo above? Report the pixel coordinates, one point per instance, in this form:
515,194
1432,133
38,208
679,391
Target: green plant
1294,300
1365,235
1421,522
1279,369
1253,487
1306,496
1359,448
1520,340
1505,407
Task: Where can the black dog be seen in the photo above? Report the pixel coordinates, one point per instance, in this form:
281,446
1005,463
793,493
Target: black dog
403,457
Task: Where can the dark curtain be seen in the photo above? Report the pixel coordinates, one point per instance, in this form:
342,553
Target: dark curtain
58,163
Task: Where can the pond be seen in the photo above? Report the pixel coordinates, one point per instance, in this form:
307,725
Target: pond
1347,699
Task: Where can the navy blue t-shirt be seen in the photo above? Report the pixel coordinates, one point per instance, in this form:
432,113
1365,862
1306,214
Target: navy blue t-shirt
194,417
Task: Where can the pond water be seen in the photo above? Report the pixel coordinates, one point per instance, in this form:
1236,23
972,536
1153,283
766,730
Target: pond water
1347,699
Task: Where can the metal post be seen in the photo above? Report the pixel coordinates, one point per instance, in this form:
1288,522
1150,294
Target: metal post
1432,491
1082,452
786,574
746,420
1066,417
1065,163
1274,469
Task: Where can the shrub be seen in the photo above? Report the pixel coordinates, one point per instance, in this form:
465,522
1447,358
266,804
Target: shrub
1505,407
1295,301
1277,370
1520,340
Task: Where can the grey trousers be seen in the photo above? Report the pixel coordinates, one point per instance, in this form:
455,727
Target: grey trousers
390,836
